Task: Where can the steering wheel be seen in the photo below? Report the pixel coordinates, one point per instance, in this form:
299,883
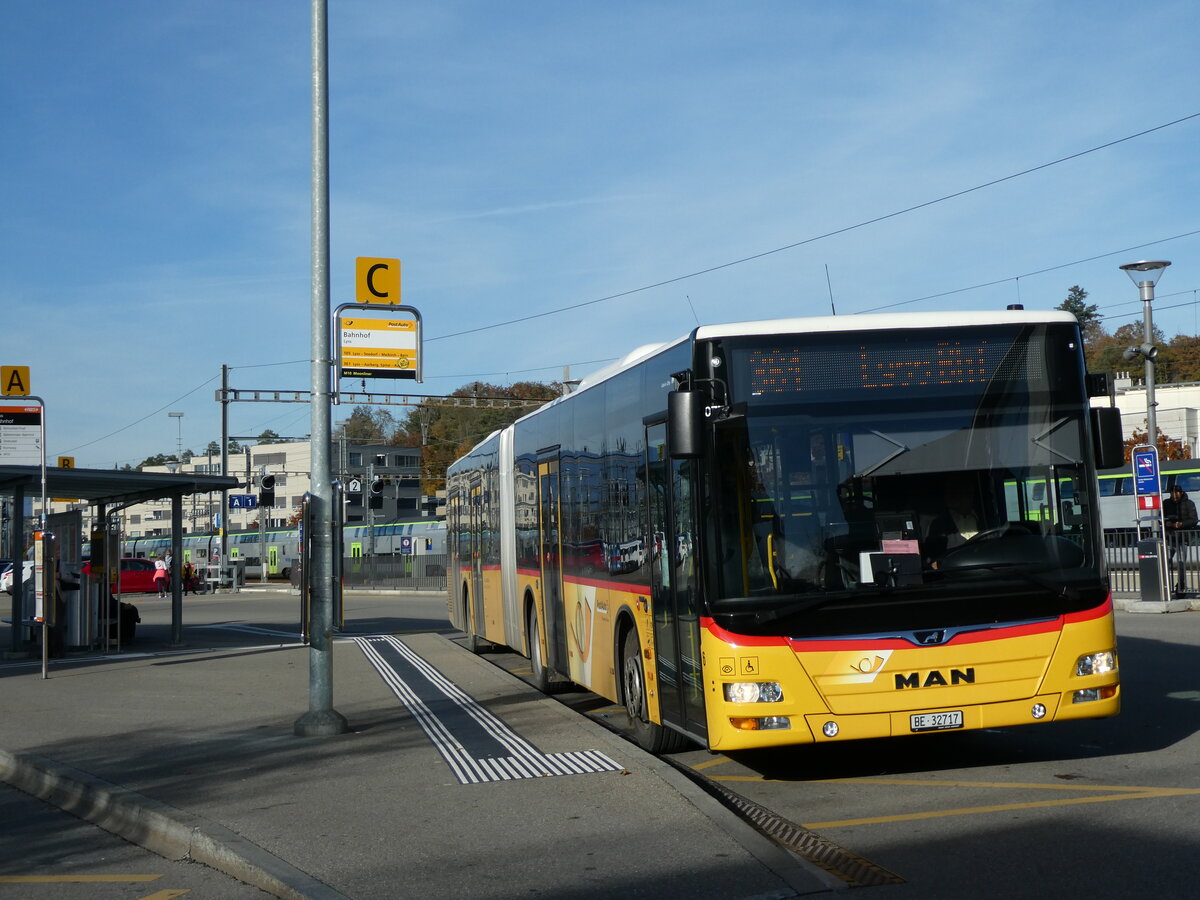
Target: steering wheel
998,531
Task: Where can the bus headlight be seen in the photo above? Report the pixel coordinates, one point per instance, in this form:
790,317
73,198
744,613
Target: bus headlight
753,692
1096,663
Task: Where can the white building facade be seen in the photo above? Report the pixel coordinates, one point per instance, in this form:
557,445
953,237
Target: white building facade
1177,409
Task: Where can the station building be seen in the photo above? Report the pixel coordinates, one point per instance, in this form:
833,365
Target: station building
356,465
1177,414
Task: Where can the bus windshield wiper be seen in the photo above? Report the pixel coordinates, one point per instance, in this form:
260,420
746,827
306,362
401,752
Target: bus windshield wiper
1061,588
753,606
796,606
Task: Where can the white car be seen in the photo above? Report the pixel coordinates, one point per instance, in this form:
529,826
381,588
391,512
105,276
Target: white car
6,577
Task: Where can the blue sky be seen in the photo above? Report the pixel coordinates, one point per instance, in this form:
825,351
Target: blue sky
523,157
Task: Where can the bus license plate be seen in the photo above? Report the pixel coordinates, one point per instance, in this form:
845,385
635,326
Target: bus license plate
937,721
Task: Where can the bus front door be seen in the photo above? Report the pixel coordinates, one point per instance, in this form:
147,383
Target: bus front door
675,585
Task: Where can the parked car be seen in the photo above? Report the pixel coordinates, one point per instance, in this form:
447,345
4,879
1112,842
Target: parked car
6,577
137,575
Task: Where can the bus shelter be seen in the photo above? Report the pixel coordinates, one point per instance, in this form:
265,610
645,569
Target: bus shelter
106,492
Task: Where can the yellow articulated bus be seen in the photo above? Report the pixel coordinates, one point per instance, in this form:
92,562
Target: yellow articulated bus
806,530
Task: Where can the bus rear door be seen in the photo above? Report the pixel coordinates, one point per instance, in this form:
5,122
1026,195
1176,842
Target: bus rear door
550,551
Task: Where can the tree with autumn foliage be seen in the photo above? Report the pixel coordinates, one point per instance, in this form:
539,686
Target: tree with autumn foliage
1168,447
1178,360
446,432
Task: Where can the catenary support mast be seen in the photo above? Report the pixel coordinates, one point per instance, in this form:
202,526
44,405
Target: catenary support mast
321,719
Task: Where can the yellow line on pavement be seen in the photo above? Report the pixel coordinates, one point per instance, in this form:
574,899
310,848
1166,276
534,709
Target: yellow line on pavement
1111,792
719,761
76,879
1003,807
1037,786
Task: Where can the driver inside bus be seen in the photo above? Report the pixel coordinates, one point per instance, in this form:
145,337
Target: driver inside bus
959,520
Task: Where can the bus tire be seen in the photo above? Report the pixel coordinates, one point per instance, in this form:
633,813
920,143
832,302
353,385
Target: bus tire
541,675
474,644
648,736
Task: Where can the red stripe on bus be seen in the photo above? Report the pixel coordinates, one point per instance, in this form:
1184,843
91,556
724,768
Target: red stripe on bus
853,643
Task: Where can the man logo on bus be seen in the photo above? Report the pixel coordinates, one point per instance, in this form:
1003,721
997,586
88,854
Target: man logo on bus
934,678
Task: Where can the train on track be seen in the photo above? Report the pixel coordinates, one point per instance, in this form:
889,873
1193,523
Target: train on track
1118,510
428,536
280,547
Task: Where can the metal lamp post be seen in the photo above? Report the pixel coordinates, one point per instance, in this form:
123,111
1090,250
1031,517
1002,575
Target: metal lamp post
1145,275
178,417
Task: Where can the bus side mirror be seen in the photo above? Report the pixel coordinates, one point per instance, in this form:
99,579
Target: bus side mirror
685,421
1107,438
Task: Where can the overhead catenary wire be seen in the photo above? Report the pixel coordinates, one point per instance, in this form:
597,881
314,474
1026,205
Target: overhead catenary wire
763,254
820,237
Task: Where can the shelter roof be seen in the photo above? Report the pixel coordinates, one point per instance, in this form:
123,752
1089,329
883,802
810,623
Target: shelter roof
110,486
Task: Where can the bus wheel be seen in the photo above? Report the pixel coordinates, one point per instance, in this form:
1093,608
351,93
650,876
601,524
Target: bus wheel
649,736
541,675
474,644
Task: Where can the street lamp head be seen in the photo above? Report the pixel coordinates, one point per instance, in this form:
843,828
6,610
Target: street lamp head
1146,271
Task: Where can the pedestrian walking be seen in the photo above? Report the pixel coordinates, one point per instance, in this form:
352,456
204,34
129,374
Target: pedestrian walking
160,575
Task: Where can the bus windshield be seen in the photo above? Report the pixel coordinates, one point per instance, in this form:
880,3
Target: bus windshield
904,467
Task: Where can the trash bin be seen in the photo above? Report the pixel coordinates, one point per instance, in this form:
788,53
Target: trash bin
1150,570
126,620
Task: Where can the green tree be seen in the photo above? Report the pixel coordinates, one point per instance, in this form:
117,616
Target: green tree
269,437
1088,314
368,426
157,459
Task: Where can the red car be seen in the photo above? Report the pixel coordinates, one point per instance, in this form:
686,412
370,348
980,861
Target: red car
137,575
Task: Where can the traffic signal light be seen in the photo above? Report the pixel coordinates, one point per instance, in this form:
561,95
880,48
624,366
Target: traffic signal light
376,494
266,490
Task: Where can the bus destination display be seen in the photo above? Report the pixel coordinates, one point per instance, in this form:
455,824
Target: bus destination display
863,366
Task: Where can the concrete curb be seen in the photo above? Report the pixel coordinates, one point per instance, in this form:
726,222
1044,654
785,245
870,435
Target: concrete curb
160,828
1137,605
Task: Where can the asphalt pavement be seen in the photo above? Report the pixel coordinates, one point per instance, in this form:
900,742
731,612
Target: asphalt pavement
454,778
